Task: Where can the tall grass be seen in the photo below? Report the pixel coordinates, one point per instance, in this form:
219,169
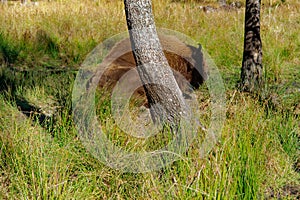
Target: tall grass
257,156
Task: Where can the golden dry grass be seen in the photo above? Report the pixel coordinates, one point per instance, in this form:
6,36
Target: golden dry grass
257,152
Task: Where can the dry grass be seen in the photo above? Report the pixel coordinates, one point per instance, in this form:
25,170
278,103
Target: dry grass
255,158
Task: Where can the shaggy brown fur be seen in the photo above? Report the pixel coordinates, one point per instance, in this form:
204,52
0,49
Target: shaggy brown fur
184,59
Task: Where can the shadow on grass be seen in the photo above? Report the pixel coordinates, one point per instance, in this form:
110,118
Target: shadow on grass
55,83
34,112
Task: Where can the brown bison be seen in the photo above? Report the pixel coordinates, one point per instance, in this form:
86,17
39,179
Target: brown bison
186,61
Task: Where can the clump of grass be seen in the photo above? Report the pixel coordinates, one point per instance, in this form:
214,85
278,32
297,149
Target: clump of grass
9,51
255,158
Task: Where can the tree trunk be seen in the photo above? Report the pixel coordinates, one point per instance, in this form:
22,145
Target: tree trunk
164,96
251,74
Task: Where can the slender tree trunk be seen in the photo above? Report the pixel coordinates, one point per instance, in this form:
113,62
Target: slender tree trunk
251,74
164,96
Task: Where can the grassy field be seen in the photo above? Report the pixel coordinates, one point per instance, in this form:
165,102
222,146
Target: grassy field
42,157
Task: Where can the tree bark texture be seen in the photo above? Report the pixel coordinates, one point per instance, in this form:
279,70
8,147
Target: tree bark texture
251,73
165,98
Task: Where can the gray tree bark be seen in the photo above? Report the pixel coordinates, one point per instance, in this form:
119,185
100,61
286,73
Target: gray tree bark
251,73
166,101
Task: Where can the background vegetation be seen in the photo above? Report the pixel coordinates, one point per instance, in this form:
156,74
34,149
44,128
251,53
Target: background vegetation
41,156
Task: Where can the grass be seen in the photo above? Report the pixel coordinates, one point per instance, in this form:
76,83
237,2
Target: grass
42,157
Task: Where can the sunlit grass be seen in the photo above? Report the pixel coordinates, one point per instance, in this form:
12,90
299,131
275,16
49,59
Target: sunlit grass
41,46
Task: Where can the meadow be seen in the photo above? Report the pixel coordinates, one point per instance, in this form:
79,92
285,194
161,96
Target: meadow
41,156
